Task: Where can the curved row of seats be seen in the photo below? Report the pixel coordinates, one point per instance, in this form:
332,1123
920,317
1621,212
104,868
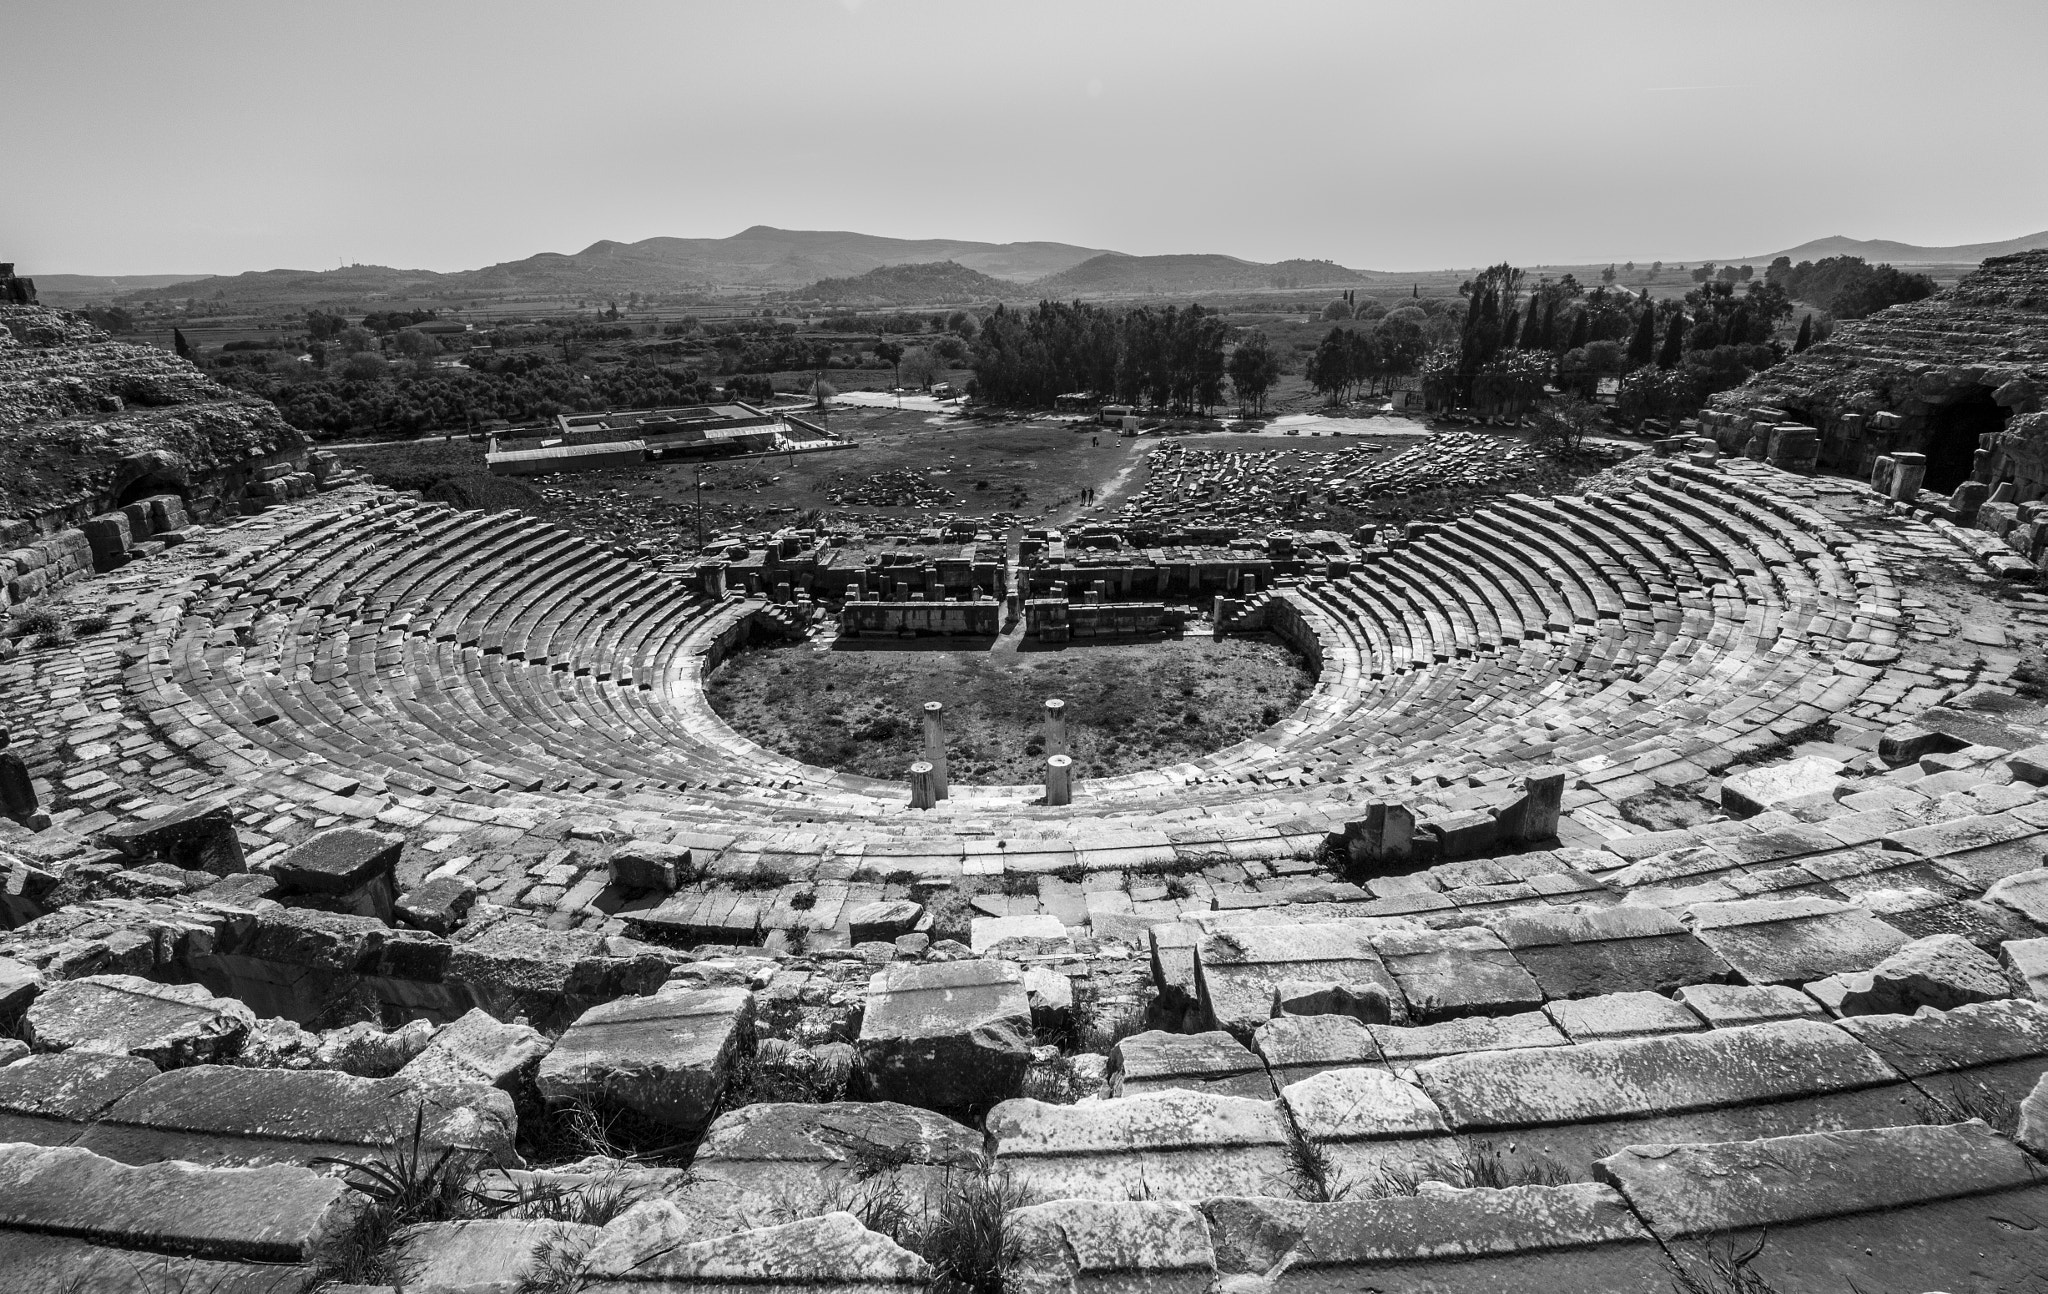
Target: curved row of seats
429,652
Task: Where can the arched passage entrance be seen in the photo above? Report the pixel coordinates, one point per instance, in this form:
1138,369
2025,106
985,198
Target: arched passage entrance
1952,432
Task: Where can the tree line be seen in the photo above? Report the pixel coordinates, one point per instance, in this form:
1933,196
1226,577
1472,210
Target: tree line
1170,356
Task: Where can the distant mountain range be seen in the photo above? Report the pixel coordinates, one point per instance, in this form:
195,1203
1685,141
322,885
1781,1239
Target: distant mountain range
841,268
1876,250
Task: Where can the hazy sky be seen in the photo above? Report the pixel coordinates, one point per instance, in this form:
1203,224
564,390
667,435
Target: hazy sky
149,137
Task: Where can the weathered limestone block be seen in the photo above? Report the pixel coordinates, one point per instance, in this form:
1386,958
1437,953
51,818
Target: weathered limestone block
1366,1003
352,870
273,1214
1170,1145
478,1048
1549,1109
1204,1062
1940,971
435,905
1542,1239
1629,947
814,1158
1793,941
947,1035
665,1057
513,967
1299,1047
166,1024
651,1247
2025,893
1240,969
366,1051
1145,1247
19,984
1727,1006
1622,1015
226,1116
1753,790
2026,962
1035,934
49,1097
1372,1128
1896,1207
886,919
1966,1059
1456,972
197,838
481,1255
110,535
1411,1045
650,865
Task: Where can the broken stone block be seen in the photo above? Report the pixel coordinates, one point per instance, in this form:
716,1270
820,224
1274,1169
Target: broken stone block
19,984
168,1025
653,1244
1024,936
1073,1245
2026,961
1372,1126
1970,1060
1239,969
352,870
1204,1062
1904,1207
478,1048
230,1116
1793,941
946,1036
49,1097
1051,995
1941,971
275,1214
1534,1239
650,865
482,1255
275,1043
11,1050
815,1158
1727,1006
1584,952
1365,1003
1622,1015
1456,972
885,920
198,838
1754,790
666,1056
1166,1145
2025,893
369,1052
1403,1046
436,905
1301,1047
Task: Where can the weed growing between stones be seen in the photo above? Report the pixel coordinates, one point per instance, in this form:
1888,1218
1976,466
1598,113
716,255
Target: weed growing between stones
404,1185
1491,1168
558,1265
1963,1102
1310,1174
1099,1033
1722,1271
965,1243
1052,1082
41,626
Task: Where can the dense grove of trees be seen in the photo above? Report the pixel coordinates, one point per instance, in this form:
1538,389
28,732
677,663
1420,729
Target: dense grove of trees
1848,287
1349,358
1670,355
1171,356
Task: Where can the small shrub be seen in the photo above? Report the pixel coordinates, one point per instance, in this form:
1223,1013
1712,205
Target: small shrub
803,901
94,624
1099,1033
42,626
1052,1083
1491,1169
1020,885
965,1242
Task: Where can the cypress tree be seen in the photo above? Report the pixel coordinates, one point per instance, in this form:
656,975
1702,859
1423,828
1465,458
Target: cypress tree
1738,327
1548,339
179,344
1805,337
1582,331
1674,342
1642,347
1511,331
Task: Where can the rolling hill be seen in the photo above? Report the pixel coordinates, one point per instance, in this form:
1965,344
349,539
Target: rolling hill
1114,274
923,283
82,289
1876,250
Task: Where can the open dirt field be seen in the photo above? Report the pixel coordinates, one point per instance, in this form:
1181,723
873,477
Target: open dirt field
1130,706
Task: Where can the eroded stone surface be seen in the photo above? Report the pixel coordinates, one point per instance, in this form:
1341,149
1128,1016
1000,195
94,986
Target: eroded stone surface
945,1036
166,1024
665,1056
